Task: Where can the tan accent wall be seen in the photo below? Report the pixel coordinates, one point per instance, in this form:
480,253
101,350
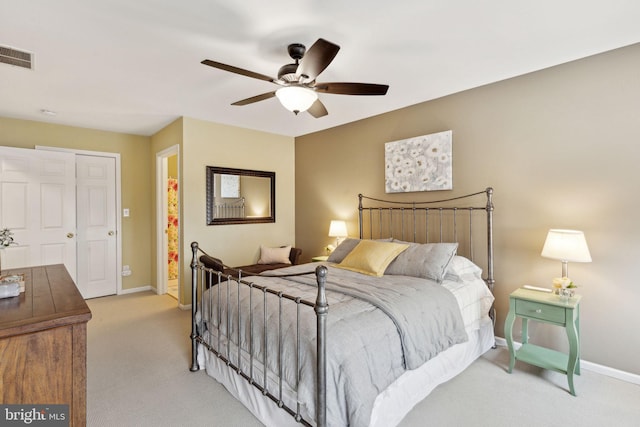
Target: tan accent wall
135,175
561,148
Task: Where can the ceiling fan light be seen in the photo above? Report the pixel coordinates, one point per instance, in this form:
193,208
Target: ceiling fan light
296,98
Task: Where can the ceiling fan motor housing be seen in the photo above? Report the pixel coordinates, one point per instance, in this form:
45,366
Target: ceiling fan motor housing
287,73
296,51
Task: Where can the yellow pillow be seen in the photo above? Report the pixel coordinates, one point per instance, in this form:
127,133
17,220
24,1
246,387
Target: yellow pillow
371,257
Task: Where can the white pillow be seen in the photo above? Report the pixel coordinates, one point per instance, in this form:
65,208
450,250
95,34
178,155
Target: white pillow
462,269
274,255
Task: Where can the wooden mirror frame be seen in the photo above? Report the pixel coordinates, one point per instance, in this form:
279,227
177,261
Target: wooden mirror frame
212,220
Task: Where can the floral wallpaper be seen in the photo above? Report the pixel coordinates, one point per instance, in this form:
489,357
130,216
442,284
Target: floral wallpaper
423,163
172,227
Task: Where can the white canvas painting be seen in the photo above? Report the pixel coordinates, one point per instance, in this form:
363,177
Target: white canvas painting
229,186
423,163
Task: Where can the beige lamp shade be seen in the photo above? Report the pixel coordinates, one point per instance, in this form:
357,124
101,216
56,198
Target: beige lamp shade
338,229
566,245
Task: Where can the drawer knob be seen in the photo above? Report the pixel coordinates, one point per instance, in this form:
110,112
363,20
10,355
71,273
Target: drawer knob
538,310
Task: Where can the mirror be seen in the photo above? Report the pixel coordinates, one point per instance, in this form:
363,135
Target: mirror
240,196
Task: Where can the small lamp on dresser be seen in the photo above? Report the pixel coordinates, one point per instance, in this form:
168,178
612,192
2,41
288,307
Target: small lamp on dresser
338,229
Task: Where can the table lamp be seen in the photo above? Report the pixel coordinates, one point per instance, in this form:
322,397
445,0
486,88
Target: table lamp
338,229
566,245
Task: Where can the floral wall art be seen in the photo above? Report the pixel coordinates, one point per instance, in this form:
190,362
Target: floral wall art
422,163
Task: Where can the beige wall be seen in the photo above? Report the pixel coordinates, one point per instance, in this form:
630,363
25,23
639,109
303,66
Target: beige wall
201,144
211,144
165,138
560,147
172,167
135,176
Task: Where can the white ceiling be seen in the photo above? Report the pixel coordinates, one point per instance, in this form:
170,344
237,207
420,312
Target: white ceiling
133,66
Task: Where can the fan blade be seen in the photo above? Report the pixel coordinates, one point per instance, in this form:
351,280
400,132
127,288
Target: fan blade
352,88
237,70
317,109
317,58
255,98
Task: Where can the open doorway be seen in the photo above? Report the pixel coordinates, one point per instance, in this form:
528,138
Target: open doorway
168,214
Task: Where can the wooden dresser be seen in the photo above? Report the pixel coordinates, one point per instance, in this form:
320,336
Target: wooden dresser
43,342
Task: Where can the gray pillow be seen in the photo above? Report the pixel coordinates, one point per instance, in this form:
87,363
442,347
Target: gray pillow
425,260
343,250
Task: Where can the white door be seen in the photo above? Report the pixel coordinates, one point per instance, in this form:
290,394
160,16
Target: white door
97,228
37,203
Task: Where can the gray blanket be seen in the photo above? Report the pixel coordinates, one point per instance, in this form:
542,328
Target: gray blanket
376,329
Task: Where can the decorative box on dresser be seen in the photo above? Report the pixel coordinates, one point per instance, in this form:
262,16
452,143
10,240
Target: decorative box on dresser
43,342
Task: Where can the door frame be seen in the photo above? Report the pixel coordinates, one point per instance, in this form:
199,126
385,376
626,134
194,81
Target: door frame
162,279
115,156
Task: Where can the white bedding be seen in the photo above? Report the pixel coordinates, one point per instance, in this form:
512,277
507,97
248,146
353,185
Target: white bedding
474,300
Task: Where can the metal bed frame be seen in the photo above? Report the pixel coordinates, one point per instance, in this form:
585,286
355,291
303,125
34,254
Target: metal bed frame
415,217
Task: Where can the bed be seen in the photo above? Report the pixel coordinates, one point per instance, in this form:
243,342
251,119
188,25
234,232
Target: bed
359,339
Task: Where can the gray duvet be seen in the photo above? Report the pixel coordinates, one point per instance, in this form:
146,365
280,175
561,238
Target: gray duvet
376,329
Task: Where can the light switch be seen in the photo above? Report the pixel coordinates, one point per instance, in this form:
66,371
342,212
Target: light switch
125,212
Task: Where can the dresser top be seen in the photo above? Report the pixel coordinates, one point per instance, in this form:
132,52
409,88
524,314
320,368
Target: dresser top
50,300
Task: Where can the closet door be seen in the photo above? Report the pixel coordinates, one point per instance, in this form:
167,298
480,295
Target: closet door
97,228
38,204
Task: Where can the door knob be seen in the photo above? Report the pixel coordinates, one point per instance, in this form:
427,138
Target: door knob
70,235
111,233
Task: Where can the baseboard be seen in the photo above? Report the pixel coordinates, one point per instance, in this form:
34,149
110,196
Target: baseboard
590,366
184,307
134,290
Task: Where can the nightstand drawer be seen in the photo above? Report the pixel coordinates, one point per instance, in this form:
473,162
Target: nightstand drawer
535,310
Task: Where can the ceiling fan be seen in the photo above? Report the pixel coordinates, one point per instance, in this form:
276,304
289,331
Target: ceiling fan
299,89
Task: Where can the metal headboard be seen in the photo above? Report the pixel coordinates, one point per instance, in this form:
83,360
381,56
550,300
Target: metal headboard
233,209
444,220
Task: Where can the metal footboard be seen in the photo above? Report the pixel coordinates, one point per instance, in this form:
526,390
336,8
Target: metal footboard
230,308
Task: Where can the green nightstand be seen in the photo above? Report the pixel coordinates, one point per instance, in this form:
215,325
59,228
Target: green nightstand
548,308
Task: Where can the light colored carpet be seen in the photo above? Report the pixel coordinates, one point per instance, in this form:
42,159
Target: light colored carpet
138,375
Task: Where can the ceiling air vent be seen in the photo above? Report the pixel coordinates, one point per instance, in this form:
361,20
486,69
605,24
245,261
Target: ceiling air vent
16,57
